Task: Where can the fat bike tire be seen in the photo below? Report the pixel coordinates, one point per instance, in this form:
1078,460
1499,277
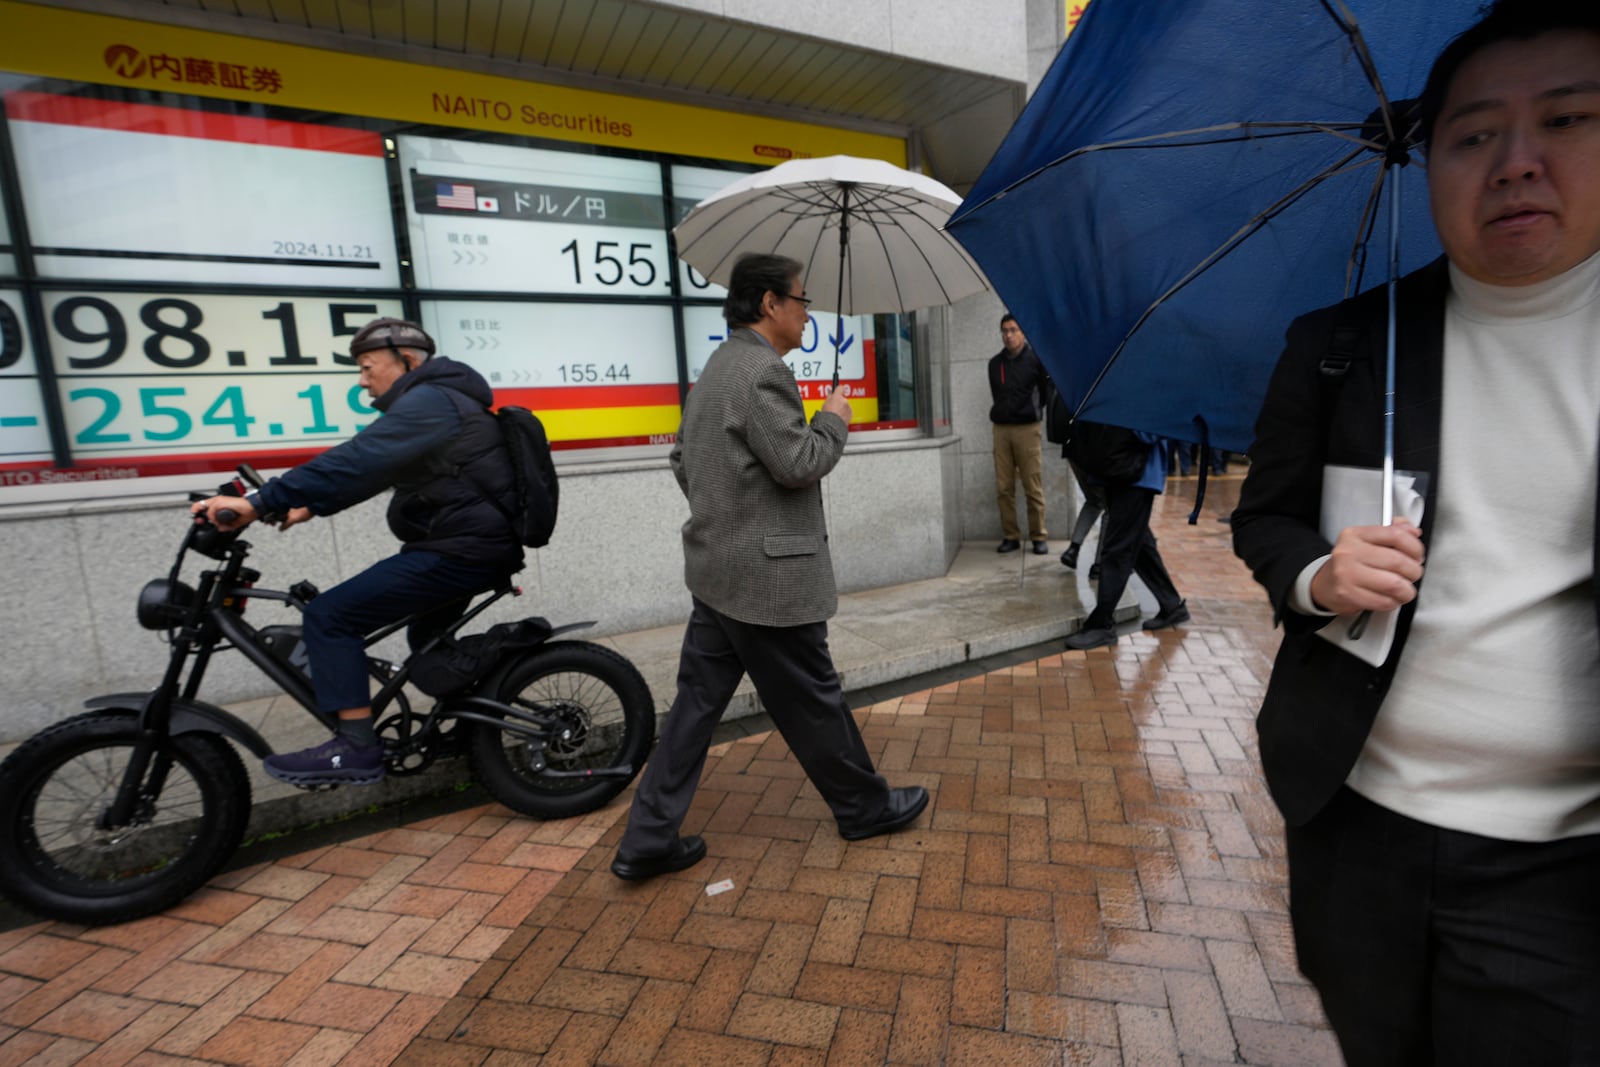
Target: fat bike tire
602,717
57,861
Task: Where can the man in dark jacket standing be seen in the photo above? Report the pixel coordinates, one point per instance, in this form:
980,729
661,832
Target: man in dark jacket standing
439,447
1019,385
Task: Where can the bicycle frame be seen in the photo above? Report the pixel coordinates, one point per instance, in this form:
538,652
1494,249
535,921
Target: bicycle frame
213,622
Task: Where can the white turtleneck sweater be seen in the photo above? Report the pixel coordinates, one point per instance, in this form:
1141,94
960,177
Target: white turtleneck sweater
1492,725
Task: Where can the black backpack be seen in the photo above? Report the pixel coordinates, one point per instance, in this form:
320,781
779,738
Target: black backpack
1110,454
533,477
456,662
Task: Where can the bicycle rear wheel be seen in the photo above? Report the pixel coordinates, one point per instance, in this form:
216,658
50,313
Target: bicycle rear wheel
58,858
602,717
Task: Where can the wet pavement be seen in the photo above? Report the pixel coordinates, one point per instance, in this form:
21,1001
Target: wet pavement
1099,880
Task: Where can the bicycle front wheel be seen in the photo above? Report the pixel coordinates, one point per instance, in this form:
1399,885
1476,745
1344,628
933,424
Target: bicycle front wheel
60,857
600,716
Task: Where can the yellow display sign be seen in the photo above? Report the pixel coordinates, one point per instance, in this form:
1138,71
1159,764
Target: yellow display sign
1074,12
601,424
106,50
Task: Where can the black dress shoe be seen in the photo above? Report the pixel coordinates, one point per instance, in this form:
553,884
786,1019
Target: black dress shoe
1094,572
905,804
1084,640
1172,617
1069,558
1008,545
685,853
1041,548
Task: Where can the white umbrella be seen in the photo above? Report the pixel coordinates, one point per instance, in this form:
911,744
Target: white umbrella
870,234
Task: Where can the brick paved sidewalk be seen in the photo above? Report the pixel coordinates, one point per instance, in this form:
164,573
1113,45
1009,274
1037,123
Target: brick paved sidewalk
1100,880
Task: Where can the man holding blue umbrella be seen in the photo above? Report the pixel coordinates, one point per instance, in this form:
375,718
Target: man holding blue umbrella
1443,808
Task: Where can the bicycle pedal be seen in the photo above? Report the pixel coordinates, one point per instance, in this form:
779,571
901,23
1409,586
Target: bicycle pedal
318,787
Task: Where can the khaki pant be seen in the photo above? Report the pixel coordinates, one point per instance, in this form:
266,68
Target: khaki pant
1017,453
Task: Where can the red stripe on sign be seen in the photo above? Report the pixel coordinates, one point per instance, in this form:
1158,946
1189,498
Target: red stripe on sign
610,442
566,397
95,469
181,122
860,388
893,424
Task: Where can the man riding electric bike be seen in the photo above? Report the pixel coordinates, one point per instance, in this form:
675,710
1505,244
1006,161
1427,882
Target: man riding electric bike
441,450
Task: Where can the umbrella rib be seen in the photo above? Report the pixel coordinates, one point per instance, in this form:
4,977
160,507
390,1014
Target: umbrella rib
684,250
896,220
893,221
1347,22
1331,128
1358,250
1248,128
1254,224
1287,128
816,248
766,214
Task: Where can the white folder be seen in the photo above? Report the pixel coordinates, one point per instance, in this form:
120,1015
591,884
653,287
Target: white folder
1353,496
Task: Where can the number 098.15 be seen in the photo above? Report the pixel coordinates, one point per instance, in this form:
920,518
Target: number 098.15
174,339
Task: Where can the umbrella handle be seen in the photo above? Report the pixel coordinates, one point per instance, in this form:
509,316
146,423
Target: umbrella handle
838,340
1359,626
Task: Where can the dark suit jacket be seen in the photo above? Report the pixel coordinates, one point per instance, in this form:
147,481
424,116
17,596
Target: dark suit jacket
755,547
1321,702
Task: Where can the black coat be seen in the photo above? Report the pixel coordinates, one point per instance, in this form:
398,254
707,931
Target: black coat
1321,702
1019,385
440,449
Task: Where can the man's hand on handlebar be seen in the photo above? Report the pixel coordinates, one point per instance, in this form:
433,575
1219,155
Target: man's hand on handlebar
235,513
225,512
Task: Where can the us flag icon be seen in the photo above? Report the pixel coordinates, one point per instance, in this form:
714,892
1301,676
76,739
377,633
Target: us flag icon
461,196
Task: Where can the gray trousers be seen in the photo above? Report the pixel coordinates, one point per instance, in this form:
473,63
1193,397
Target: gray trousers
794,676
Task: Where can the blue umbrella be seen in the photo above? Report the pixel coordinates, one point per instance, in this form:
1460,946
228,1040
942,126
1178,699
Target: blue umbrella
1188,178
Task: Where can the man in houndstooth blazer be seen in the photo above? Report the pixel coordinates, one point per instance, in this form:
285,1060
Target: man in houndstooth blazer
756,561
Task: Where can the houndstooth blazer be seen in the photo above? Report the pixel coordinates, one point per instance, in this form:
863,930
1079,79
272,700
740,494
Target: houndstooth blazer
755,547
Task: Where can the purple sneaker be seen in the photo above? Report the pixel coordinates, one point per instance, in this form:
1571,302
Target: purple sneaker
337,761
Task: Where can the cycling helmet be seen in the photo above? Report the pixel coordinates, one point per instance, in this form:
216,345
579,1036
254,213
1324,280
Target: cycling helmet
393,334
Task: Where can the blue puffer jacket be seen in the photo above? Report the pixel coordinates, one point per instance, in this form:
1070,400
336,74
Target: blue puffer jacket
440,449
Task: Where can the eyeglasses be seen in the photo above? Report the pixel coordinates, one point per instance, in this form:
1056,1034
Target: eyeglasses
806,300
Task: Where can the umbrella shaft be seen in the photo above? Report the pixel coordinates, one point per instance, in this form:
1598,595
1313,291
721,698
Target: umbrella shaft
1388,367
844,258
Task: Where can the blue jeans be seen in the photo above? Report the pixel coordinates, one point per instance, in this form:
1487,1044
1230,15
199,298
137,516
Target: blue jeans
338,621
